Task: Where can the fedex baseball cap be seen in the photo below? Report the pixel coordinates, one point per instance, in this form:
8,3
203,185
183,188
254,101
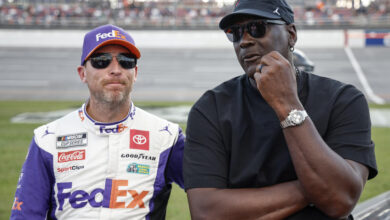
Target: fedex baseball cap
270,9
105,35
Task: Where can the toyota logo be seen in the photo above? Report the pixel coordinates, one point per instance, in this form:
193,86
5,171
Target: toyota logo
139,139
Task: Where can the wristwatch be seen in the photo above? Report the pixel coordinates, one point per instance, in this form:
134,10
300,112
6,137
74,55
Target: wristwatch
294,118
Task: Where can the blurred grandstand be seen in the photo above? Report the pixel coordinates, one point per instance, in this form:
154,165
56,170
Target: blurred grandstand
182,14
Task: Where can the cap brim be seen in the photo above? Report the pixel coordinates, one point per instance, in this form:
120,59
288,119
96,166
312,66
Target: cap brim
126,44
230,18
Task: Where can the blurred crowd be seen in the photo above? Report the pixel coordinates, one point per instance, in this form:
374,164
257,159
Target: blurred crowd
170,14
138,14
376,13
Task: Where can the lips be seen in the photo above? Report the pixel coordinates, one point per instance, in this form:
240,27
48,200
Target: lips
114,84
251,57
108,82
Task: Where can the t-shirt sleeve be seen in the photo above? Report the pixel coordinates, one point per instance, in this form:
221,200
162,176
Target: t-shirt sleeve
205,160
349,132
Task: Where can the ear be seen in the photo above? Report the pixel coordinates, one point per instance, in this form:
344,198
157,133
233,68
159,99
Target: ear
135,73
293,37
82,73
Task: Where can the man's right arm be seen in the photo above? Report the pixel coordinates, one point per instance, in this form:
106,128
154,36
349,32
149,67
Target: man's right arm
274,202
32,197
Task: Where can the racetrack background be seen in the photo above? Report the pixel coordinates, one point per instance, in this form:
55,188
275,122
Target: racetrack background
179,65
175,66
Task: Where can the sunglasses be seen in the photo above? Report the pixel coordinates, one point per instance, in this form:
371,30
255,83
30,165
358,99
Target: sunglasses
102,60
256,29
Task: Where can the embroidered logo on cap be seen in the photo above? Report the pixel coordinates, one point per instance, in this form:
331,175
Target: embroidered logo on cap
276,11
112,34
139,139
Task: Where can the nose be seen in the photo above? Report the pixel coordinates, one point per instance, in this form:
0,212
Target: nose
115,68
246,40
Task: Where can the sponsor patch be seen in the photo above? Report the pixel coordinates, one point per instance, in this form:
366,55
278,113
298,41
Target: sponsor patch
69,168
72,140
139,139
81,115
115,196
140,156
138,168
71,156
112,129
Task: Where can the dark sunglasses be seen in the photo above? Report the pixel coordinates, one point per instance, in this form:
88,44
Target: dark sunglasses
256,29
102,60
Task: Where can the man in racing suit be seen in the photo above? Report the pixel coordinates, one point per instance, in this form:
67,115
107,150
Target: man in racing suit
108,159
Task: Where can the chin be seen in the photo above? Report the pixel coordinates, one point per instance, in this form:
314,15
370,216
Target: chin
114,97
250,71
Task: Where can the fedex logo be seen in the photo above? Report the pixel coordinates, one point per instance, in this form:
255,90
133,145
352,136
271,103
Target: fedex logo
107,197
81,115
112,34
118,129
17,205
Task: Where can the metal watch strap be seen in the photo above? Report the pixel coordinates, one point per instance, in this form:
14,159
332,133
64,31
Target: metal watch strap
292,119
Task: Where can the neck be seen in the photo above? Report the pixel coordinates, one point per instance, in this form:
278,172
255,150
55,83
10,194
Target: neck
108,112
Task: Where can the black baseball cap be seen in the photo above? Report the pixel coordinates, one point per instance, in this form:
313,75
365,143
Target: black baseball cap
270,9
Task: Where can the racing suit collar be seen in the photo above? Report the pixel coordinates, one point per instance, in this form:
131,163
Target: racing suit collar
101,128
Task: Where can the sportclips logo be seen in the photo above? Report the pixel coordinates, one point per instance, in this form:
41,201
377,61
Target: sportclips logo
107,197
112,34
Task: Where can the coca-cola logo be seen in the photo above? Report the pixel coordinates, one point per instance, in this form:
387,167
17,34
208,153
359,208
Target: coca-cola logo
71,156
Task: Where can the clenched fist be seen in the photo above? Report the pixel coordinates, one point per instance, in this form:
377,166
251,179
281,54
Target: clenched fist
276,80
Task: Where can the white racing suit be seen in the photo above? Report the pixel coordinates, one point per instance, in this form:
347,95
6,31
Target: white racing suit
77,168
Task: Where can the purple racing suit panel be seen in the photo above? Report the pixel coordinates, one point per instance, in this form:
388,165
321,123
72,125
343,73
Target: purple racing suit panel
174,170
169,170
32,197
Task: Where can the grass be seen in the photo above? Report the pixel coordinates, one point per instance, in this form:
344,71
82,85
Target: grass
15,139
380,183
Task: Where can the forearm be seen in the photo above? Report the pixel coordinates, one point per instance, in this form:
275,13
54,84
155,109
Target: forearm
274,202
328,180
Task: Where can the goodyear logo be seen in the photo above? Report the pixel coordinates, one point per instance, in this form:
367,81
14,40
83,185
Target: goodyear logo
111,34
138,168
114,196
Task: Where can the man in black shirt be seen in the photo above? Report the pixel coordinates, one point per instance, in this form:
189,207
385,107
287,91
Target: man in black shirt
275,143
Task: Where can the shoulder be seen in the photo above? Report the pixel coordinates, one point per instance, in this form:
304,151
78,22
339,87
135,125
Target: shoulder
329,84
220,93
324,89
150,120
45,135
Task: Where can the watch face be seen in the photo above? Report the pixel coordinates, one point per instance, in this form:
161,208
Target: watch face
296,118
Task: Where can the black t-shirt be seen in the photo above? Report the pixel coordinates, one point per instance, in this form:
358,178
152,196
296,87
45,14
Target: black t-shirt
234,138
